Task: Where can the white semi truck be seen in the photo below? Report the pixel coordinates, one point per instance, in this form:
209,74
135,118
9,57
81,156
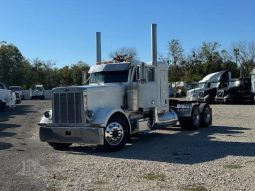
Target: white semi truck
7,97
120,100
207,87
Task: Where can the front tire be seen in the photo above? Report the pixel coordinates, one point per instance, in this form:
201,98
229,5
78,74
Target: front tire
60,146
116,134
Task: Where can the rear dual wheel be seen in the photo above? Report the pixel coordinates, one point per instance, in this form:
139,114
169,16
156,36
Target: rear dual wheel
201,116
193,122
206,115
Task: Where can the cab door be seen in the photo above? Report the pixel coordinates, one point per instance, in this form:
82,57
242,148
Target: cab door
147,88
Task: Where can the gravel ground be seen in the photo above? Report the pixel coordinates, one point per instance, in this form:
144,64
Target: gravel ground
220,157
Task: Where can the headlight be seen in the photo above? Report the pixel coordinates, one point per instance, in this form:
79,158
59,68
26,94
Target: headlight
90,115
47,114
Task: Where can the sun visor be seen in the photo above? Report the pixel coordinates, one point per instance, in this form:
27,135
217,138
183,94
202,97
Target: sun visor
109,67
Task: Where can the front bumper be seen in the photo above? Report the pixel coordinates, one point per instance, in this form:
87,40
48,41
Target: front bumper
81,134
222,99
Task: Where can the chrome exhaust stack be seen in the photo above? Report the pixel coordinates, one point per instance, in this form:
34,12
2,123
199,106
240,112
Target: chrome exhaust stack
98,47
154,44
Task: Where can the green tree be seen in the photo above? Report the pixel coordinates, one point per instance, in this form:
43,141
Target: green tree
245,52
175,52
76,72
11,64
124,54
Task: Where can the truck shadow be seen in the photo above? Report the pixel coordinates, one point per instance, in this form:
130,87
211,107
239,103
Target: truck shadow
185,147
12,112
6,127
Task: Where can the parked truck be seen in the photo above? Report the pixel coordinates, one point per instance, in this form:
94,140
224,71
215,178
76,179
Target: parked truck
18,93
37,92
207,87
7,97
121,99
237,91
217,81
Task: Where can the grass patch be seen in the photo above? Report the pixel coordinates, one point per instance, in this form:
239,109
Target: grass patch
195,187
232,166
155,176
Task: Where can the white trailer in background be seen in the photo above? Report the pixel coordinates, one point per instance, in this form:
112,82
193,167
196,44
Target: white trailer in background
120,100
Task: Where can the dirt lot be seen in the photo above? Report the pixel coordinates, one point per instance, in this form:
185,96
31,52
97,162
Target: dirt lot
220,157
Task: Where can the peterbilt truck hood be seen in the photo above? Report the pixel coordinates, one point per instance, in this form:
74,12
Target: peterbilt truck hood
99,95
107,95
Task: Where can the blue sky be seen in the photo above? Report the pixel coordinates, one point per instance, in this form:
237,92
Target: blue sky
64,30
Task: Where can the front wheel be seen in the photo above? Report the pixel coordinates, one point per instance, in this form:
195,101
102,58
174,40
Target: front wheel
116,134
60,146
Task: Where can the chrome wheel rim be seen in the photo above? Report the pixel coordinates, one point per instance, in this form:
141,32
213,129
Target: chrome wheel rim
114,133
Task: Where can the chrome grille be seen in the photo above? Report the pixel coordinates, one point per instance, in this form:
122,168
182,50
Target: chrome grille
220,93
201,94
67,107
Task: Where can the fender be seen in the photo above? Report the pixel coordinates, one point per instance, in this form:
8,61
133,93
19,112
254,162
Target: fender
103,115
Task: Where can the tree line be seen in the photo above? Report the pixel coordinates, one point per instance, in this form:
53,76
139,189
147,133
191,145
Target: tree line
209,57
15,69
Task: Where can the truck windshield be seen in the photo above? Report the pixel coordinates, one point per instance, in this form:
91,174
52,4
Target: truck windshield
201,85
109,77
39,88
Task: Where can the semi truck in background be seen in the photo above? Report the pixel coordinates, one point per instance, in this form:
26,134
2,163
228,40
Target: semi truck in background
207,87
237,91
121,99
219,80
